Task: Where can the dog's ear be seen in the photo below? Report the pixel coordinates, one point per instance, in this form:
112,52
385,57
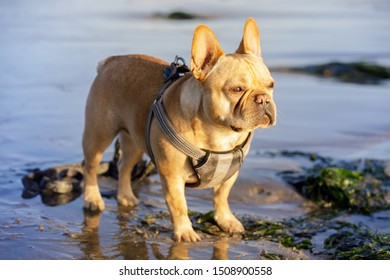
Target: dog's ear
250,42
205,52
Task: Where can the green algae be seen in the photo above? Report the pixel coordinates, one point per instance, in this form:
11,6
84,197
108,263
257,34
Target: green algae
344,189
350,241
353,243
271,256
206,223
357,186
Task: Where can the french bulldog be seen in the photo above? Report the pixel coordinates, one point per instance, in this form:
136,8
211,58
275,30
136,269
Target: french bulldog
215,107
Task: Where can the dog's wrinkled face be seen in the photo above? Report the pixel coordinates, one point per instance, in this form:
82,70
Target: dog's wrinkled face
238,93
237,88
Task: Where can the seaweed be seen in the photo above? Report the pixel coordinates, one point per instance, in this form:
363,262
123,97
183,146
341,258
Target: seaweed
56,186
357,186
180,15
286,233
310,156
206,223
350,241
360,72
345,189
62,184
271,256
353,243
177,15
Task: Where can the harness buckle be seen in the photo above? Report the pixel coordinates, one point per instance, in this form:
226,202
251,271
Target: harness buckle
177,69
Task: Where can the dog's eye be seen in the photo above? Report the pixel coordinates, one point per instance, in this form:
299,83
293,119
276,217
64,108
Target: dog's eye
271,85
237,89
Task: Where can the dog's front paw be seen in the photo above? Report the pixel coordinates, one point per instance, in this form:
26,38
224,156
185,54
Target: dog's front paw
94,203
230,225
127,200
186,235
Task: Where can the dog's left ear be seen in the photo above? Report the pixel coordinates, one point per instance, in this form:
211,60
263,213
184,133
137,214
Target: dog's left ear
205,52
250,42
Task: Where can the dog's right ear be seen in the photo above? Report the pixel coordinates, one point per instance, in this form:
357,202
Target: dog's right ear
205,52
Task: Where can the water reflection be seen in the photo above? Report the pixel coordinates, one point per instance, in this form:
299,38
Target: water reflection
181,250
220,251
131,246
89,238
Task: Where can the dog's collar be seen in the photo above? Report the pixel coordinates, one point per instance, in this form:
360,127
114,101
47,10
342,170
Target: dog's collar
231,160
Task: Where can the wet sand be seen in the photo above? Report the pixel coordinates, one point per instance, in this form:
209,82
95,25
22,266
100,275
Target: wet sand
49,55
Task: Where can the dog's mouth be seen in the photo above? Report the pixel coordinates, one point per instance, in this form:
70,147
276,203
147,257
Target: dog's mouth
266,120
271,117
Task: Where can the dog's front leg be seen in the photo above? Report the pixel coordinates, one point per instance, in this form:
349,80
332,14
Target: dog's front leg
174,193
223,215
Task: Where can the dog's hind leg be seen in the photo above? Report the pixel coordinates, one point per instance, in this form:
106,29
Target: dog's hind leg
131,155
95,142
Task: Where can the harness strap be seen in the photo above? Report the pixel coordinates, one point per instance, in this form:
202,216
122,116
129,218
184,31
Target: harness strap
177,69
173,135
150,119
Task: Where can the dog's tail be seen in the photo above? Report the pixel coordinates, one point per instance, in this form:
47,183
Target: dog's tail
104,62
100,65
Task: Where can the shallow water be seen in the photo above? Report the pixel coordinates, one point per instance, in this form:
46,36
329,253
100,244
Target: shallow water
49,51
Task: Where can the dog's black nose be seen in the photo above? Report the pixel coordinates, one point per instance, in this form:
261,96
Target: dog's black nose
262,99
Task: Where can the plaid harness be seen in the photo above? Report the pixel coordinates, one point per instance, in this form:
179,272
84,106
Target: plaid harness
211,168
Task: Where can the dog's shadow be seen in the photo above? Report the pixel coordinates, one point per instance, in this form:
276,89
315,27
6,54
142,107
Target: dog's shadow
132,246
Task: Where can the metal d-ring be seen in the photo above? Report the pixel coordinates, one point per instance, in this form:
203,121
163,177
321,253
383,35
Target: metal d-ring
179,59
